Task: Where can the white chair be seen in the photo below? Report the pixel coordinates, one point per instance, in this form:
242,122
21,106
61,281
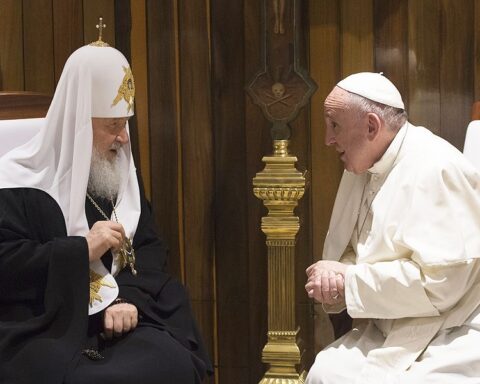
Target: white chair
471,148
21,116
17,132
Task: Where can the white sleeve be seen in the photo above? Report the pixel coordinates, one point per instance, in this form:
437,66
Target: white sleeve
398,289
435,221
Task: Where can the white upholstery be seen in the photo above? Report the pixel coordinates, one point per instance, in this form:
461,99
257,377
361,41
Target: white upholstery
14,133
471,149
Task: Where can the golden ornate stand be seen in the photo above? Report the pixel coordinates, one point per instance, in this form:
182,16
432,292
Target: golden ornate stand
280,185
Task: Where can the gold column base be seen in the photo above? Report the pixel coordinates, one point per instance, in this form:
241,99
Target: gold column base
272,378
283,352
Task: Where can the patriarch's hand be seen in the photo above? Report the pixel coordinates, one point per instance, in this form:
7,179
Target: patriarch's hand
119,319
104,235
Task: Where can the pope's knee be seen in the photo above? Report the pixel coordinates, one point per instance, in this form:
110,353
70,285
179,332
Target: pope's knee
314,374
320,370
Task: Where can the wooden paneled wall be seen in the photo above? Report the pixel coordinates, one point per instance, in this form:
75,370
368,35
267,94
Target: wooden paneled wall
201,139
37,36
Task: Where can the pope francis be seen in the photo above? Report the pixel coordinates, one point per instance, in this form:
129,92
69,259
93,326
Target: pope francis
402,249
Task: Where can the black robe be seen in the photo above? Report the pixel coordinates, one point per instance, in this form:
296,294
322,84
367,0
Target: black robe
44,293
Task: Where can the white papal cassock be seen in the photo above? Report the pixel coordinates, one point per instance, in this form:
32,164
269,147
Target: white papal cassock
410,227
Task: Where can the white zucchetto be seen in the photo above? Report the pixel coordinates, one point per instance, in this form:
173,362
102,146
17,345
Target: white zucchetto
373,86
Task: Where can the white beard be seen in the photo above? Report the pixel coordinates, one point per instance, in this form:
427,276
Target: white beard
105,176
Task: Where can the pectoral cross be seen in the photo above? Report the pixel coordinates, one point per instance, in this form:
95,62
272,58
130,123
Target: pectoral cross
128,255
100,27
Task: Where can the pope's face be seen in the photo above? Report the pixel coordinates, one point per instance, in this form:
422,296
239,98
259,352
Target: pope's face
109,134
346,130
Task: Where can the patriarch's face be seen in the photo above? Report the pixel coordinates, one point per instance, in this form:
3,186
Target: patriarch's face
109,135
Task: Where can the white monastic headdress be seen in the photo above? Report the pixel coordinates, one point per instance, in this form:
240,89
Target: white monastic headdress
373,86
96,82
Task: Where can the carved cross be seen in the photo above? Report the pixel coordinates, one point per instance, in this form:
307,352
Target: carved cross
280,76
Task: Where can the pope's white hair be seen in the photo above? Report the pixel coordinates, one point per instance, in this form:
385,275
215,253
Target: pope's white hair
394,118
105,176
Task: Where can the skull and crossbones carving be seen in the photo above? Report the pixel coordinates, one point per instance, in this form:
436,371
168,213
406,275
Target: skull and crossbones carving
278,95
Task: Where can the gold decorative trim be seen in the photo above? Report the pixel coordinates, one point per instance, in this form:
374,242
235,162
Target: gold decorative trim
96,283
281,243
99,44
126,90
281,334
296,379
279,193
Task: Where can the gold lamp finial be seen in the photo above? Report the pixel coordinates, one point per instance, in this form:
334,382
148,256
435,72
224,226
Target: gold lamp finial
100,26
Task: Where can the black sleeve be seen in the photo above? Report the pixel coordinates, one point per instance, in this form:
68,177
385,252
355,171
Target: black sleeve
32,241
44,284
